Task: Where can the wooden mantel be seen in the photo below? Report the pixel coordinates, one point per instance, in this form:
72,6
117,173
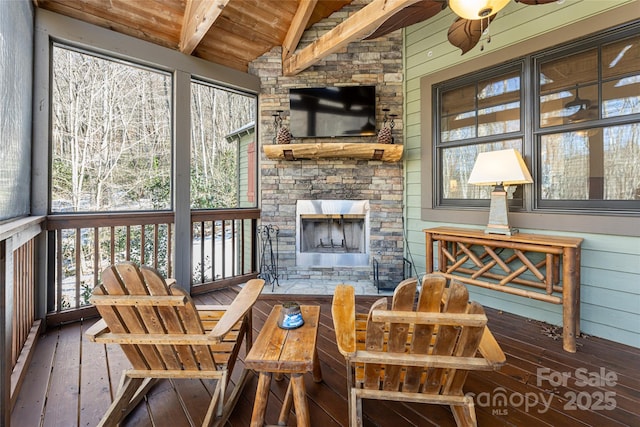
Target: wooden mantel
326,150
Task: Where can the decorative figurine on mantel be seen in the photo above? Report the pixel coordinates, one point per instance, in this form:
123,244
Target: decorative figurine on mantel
385,135
282,133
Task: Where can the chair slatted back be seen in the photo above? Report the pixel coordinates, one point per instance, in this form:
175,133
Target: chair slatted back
398,332
418,338
416,354
126,279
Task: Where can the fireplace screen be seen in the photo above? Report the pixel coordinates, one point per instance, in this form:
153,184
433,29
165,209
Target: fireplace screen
332,233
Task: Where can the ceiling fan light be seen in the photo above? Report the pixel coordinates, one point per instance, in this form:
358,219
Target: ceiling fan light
476,9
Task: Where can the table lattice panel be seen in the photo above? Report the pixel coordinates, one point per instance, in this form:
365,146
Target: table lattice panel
496,267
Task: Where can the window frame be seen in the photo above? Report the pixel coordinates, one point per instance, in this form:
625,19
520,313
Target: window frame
438,146
61,44
252,165
531,131
597,206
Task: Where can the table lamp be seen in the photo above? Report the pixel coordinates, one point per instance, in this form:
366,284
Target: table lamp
499,168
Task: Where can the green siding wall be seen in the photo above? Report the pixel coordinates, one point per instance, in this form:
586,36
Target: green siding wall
610,273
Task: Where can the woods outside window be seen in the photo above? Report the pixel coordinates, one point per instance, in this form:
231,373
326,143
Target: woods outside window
222,147
111,135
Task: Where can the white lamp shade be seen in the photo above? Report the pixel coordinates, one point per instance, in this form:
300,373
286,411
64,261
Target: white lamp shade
500,167
476,9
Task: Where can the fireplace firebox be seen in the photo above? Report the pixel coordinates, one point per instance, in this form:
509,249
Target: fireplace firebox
332,233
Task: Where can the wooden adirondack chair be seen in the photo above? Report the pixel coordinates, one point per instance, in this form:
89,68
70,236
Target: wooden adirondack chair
165,335
420,354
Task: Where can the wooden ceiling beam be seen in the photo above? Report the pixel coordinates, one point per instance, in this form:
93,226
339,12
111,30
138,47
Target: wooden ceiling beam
199,16
298,24
355,27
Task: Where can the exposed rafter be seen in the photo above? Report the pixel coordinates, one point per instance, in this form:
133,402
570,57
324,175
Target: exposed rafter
199,16
300,19
355,27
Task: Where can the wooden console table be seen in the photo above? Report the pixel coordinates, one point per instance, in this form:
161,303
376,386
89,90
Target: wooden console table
498,262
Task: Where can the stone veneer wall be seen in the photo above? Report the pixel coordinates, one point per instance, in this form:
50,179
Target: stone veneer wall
282,183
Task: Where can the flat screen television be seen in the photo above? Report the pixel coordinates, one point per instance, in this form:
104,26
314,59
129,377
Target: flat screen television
333,111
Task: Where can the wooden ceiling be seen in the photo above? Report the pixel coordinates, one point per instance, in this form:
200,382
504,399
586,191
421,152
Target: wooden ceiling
230,32
227,32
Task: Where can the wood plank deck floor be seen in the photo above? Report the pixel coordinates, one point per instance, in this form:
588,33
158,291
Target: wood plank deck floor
71,381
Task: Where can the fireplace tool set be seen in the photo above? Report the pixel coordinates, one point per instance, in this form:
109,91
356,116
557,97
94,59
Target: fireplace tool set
267,237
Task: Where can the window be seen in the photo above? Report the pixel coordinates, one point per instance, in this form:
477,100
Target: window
578,127
222,153
588,126
111,134
477,116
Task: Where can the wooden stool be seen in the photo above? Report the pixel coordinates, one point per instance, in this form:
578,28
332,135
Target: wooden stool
285,351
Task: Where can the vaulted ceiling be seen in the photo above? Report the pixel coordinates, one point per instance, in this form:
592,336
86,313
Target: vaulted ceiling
234,32
227,32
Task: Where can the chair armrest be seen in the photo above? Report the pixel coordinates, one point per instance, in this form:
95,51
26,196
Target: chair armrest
239,307
344,319
98,328
490,349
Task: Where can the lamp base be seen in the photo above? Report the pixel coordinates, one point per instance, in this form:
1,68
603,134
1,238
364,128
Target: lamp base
498,219
510,231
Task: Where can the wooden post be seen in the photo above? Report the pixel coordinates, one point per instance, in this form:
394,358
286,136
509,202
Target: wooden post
286,406
303,419
441,258
570,299
6,316
429,248
317,371
577,257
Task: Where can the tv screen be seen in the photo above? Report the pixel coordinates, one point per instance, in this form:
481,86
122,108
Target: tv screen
333,111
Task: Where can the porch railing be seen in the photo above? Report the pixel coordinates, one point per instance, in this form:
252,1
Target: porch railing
81,246
224,248
18,324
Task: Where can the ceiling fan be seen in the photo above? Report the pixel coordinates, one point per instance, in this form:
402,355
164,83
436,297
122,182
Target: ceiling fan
580,109
474,16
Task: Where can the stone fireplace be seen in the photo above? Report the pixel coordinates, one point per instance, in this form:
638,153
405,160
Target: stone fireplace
374,183
310,196
332,233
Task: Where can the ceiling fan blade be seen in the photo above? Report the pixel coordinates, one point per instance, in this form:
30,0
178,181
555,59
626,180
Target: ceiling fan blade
584,114
410,15
466,33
